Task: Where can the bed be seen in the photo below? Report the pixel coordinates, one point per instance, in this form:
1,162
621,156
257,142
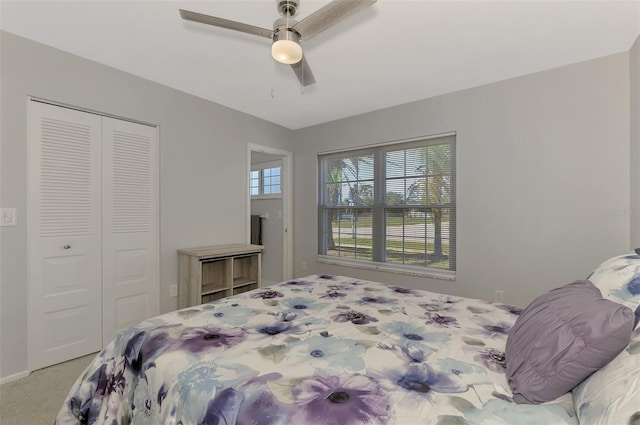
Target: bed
321,349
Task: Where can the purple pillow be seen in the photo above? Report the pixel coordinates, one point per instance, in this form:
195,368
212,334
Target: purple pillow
562,337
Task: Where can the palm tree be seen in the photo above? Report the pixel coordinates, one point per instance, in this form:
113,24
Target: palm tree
333,198
434,188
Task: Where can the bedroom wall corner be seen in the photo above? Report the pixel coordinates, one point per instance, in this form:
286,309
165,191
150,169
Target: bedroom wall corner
634,74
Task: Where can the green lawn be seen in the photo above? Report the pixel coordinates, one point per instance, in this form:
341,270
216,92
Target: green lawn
413,252
365,221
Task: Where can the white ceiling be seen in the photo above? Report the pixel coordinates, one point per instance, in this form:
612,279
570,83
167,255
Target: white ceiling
394,52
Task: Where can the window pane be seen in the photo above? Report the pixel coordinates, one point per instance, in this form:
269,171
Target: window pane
339,231
362,234
439,180
395,192
362,193
416,191
275,180
266,172
351,233
417,236
416,162
254,191
394,164
275,188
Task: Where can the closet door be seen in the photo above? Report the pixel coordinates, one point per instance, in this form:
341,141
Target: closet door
130,224
64,234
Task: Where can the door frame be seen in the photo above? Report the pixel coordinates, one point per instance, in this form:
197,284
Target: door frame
287,205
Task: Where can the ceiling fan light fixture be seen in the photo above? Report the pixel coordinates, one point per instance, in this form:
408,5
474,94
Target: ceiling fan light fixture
285,48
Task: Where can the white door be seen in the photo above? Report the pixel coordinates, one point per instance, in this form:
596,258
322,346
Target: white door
64,234
92,232
129,224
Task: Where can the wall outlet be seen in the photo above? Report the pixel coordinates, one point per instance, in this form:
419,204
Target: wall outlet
8,216
303,266
498,296
173,290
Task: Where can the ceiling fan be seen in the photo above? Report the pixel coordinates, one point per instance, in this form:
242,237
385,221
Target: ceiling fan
287,32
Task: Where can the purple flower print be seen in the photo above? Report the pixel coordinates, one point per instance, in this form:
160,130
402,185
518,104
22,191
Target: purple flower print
297,283
421,379
375,300
402,290
441,321
493,359
267,294
354,317
333,294
492,328
198,340
351,399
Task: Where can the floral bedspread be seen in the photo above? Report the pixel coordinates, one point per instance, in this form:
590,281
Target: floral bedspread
318,350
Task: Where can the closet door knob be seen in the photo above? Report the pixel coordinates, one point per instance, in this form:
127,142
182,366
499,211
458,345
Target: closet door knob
67,246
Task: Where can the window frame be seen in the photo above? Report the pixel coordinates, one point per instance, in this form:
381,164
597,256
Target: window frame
380,208
260,167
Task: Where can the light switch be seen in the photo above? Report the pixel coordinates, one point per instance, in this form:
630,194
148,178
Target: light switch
8,216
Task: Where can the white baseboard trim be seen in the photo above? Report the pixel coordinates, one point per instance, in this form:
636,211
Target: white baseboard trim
14,377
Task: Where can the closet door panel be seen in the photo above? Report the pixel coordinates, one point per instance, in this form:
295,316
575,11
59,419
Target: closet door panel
130,224
64,234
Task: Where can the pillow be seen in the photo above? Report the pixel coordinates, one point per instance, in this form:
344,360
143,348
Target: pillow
612,394
619,279
561,338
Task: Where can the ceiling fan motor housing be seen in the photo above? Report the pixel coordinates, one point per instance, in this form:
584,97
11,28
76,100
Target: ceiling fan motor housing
288,8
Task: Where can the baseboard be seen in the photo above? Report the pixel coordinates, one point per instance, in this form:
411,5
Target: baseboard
14,377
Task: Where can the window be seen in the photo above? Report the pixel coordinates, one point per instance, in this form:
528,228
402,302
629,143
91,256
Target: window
265,180
390,207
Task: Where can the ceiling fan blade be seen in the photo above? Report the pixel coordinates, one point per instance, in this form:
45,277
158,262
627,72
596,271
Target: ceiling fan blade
328,16
225,23
303,72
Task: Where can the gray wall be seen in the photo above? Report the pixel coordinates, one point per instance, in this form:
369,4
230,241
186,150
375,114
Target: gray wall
202,165
634,73
542,161
272,238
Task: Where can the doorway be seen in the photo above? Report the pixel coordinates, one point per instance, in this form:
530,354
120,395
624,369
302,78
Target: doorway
269,191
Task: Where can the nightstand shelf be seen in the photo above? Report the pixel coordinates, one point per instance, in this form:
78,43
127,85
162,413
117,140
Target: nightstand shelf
214,272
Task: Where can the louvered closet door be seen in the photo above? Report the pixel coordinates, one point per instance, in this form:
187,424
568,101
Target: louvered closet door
130,223
65,302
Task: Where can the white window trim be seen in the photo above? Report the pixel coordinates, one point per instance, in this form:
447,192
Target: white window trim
388,267
269,196
449,275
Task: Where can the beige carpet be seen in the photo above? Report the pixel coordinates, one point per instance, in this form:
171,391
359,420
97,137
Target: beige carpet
36,399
